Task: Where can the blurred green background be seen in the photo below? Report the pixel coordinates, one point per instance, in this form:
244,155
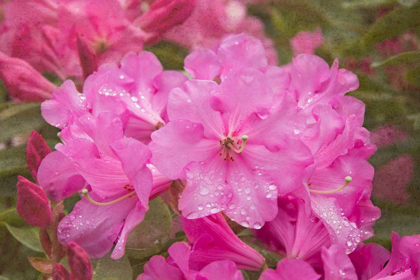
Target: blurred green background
376,39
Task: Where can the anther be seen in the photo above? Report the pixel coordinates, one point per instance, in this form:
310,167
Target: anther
85,193
348,179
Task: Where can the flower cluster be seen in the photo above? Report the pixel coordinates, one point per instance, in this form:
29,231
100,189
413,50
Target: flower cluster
67,39
279,150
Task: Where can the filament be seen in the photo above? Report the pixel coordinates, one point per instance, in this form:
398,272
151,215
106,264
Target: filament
85,193
242,147
348,179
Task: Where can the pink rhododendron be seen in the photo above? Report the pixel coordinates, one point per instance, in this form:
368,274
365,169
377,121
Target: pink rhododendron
295,233
374,262
177,267
213,240
290,269
137,91
306,41
204,142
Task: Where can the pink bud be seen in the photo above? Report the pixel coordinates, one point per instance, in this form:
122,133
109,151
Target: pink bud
164,14
61,273
36,150
22,81
32,203
87,56
79,261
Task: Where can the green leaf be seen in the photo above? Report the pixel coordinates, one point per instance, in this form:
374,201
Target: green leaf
109,269
11,217
19,118
170,55
400,59
368,4
392,24
28,236
150,236
413,76
398,218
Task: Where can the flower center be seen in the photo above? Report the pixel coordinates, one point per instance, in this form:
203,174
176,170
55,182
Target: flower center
231,146
347,180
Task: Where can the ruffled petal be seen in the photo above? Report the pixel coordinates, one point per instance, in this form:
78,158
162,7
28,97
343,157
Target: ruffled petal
369,260
65,107
220,270
193,102
202,64
179,143
58,176
157,268
337,265
290,269
95,227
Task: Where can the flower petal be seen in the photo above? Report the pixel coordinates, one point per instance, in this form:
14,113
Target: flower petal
337,265
179,143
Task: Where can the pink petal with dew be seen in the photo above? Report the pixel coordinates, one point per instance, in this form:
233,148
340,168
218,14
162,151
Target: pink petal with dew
179,143
337,265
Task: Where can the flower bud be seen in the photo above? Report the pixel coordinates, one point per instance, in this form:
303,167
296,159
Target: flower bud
79,261
164,14
32,203
22,81
36,150
87,56
60,273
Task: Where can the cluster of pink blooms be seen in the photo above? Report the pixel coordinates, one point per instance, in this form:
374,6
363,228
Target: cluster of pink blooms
279,150
71,38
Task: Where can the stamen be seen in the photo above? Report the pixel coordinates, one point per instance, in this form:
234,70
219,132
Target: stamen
242,147
348,179
85,193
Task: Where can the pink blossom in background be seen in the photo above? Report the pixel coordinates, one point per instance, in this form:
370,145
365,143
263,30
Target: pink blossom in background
392,179
306,42
22,81
177,267
213,240
290,269
211,21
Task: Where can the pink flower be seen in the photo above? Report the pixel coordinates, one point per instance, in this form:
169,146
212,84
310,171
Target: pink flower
137,92
213,240
403,261
36,150
204,142
22,81
177,267
295,233
211,21
337,265
369,259
313,82
32,203
115,171
290,269
306,42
